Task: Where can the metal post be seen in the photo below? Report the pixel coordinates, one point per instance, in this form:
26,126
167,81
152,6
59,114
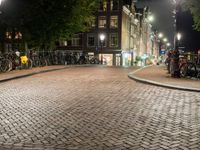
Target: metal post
102,52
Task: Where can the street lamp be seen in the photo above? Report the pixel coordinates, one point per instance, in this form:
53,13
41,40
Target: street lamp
102,39
160,35
151,18
176,20
179,36
165,40
168,44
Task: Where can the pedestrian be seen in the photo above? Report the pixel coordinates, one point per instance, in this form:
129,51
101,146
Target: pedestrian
174,64
168,60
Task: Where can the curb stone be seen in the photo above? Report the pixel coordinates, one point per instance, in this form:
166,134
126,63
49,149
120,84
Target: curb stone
150,82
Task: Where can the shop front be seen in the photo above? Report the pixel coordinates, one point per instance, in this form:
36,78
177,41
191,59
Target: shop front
106,59
127,59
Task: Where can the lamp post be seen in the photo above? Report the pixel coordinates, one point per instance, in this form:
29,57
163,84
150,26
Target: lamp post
102,39
176,22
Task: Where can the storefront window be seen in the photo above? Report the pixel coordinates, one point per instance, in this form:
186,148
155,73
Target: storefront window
126,59
107,59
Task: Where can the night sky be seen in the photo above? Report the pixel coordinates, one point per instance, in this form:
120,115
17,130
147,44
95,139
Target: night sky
162,10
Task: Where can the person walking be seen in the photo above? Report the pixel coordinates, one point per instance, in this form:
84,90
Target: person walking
168,60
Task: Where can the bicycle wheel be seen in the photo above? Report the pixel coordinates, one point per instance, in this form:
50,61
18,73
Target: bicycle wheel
192,70
29,64
5,65
183,70
10,65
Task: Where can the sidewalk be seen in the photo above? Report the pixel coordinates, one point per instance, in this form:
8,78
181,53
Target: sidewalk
29,72
157,75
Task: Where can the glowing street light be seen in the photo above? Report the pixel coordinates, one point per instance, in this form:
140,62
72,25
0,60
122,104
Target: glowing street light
102,37
151,18
179,36
168,44
1,1
160,35
165,40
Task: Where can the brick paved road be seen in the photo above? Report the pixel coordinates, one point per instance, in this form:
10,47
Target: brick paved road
96,108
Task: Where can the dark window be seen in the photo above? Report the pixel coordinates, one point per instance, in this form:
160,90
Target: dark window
113,40
114,5
76,40
103,5
91,40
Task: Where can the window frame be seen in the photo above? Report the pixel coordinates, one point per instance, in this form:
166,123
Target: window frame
105,24
111,41
88,36
117,18
75,41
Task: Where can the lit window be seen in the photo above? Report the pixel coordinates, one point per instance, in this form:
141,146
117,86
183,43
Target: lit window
18,35
114,5
8,35
76,40
113,21
102,22
92,23
113,40
91,40
103,5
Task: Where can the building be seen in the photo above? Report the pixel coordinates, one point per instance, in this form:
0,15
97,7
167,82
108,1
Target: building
148,38
116,23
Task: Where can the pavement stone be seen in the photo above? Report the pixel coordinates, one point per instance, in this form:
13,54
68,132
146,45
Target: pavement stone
96,108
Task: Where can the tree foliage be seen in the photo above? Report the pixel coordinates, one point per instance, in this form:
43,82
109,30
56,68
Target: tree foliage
194,7
42,22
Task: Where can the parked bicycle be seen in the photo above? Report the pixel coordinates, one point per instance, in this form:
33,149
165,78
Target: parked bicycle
5,64
189,69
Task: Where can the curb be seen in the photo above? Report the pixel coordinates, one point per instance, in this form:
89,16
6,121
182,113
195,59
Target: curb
40,72
150,82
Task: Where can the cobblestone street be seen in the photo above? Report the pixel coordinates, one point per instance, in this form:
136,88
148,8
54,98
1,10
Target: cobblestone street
96,108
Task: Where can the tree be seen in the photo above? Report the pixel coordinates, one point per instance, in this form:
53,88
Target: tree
194,7
42,22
